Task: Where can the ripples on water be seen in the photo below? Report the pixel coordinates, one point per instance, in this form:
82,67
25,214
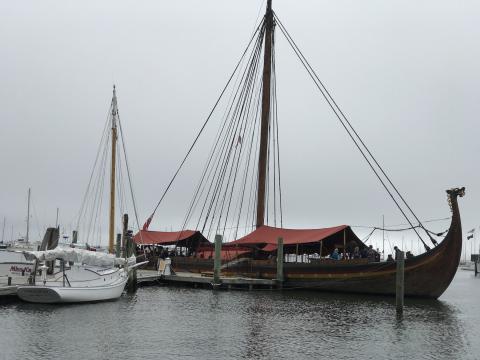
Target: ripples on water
169,323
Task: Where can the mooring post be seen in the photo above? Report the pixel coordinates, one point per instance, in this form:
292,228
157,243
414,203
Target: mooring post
217,261
129,250
124,237
400,283
118,246
280,262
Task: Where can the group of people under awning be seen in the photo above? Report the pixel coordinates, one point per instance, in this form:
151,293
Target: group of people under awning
365,253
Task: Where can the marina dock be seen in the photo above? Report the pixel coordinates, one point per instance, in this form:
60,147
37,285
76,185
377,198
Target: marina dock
8,290
8,285
150,277
153,277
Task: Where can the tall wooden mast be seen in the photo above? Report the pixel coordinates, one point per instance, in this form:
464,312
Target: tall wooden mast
112,173
262,157
28,217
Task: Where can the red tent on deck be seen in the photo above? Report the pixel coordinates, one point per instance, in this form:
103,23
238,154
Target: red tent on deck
265,238
185,238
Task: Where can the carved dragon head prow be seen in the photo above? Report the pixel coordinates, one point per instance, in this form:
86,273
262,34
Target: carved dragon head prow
456,192
452,195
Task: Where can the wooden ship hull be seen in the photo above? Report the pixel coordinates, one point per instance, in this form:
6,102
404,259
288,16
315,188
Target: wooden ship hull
427,275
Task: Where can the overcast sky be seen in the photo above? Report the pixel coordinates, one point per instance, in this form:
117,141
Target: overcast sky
405,72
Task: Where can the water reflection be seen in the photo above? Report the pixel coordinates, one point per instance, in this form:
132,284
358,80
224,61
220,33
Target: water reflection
170,323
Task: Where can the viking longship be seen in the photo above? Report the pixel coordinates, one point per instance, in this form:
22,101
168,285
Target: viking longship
236,192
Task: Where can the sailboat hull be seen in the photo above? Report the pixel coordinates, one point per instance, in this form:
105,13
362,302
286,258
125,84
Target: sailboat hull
13,264
82,283
50,294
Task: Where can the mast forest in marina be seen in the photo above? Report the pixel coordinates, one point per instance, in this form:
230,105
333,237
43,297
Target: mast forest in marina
240,188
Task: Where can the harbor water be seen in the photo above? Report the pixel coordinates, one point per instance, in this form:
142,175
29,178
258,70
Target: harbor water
173,322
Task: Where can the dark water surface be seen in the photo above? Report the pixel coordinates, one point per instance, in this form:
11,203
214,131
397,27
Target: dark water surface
170,323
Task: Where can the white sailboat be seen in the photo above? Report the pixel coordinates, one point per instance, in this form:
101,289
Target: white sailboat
83,275
92,277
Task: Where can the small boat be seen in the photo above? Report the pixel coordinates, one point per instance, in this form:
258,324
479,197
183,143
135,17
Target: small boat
12,261
93,277
87,275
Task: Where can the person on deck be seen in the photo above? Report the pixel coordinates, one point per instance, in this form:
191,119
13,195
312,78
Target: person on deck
371,254
397,250
335,255
390,258
351,249
356,253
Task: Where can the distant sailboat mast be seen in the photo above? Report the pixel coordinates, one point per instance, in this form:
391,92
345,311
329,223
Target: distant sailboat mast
112,174
28,217
262,157
3,231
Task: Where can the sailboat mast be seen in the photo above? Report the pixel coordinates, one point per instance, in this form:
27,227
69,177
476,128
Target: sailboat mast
262,157
3,231
111,234
28,216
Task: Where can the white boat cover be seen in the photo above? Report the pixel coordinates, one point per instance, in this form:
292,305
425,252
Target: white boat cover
81,256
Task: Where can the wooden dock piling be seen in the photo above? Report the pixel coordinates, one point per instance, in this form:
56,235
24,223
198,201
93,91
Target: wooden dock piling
399,283
280,262
118,249
129,251
217,261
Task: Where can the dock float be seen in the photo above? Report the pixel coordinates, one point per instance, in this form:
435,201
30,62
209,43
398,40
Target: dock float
8,284
206,280
146,277
8,290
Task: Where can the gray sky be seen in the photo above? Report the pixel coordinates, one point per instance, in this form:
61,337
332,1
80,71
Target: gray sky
406,74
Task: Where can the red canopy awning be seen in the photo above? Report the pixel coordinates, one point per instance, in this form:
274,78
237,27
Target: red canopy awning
266,236
180,238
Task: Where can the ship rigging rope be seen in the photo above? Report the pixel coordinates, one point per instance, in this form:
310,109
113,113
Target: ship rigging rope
276,136
220,173
344,122
240,113
99,151
390,226
404,229
225,169
206,121
96,196
221,192
130,181
92,202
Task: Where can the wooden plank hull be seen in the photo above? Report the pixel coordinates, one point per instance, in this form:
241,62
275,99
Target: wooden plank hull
427,275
